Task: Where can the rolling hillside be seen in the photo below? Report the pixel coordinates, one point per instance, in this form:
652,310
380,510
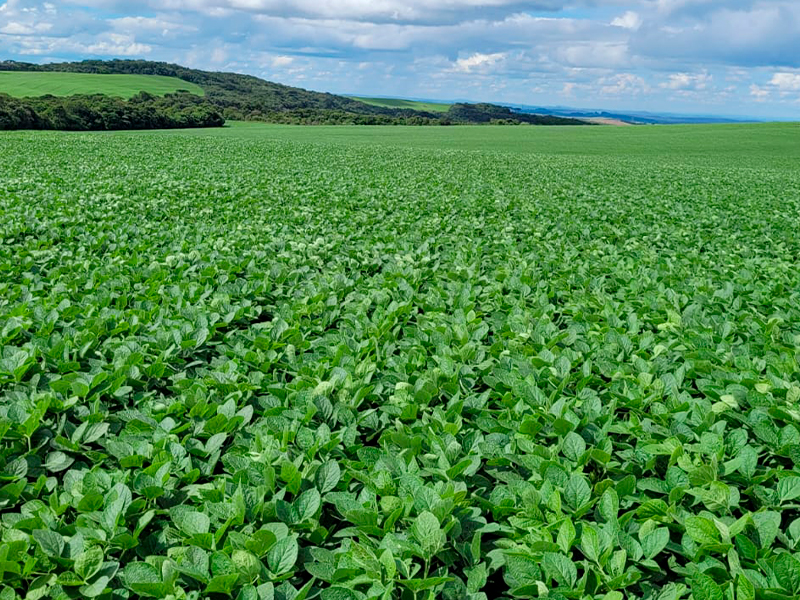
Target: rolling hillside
21,84
248,98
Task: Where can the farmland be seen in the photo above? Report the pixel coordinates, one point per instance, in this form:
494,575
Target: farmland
346,363
20,84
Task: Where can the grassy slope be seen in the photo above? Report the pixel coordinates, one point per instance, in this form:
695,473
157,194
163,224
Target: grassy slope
22,84
434,107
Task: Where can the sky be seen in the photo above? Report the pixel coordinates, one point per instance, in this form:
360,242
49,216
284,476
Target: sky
722,57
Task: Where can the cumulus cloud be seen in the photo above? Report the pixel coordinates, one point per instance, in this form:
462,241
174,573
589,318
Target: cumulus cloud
478,61
688,81
630,20
623,84
786,82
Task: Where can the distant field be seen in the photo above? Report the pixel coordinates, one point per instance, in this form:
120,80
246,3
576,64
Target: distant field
409,104
749,144
23,84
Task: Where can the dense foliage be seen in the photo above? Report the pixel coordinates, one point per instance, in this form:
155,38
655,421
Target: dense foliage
101,113
263,369
248,98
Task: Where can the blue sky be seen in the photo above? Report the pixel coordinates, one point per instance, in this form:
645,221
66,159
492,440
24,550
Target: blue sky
701,56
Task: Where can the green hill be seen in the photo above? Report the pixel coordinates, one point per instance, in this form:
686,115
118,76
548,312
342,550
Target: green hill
434,107
21,84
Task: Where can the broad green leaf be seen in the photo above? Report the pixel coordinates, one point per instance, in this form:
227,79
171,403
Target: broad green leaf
560,568
566,536
577,491
787,571
427,532
51,543
283,555
190,522
767,526
789,489
307,505
574,446
328,476
702,530
89,563
654,542
338,592
705,588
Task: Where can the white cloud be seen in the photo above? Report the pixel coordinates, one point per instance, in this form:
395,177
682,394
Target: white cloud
282,61
594,54
478,61
688,81
117,44
630,20
786,82
623,84
759,93
14,28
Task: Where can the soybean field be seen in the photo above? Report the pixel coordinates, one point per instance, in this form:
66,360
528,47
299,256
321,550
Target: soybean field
274,363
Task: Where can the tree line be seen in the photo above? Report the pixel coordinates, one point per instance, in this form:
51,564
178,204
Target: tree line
106,113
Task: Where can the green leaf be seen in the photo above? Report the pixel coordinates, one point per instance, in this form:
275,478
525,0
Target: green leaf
40,587
654,542
427,531
307,505
222,584
566,536
95,588
338,592
260,542
574,446
419,585
57,462
190,522
388,562
283,556
789,488
247,563
577,491
89,563
328,476
705,588
608,507
702,530
745,590
590,543
144,579
787,572
51,543
560,568
767,526
476,578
